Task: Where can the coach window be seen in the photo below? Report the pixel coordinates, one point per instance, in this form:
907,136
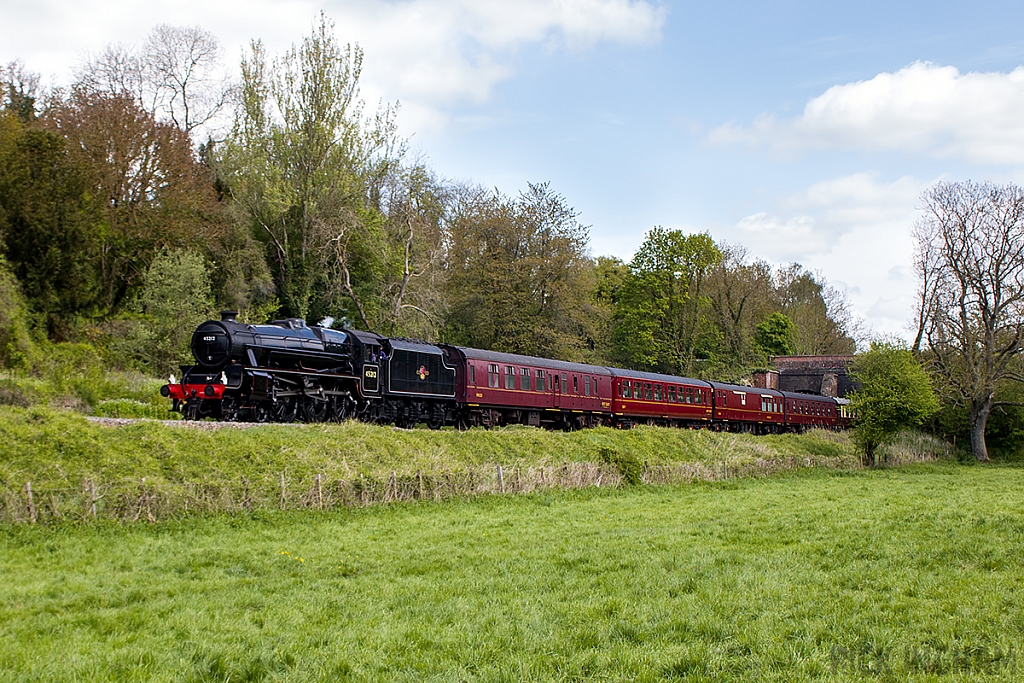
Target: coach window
575,384
557,386
510,377
671,394
565,383
472,374
626,389
586,386
657,392
492,375
524,379
540,381
647,391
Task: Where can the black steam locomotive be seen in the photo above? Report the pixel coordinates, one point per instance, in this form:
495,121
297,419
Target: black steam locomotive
285,371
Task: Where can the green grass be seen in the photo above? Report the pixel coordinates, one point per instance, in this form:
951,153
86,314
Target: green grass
892,575
171,469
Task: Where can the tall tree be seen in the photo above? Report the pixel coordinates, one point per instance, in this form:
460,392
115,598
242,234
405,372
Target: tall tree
519,276
660,317
970,260
741,294
306,167
151,191
48,223
175,76
819,312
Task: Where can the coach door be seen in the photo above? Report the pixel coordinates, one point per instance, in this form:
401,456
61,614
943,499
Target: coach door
561,390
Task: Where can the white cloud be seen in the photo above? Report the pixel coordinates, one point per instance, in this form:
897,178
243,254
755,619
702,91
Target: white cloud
922,108
426,53
857,231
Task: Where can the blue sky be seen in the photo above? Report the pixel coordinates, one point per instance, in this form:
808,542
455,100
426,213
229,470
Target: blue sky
804,131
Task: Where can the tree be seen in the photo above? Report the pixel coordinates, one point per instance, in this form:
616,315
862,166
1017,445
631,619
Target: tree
49,224
148,187
970,261
19,91
184,65
660,323
307,169
895,393
740,294
175,76
819,312
774,335
519,276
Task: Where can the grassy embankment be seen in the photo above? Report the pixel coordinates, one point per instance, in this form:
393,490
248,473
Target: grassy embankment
909,574
76,469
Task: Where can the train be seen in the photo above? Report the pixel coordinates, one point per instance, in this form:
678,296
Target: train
286,371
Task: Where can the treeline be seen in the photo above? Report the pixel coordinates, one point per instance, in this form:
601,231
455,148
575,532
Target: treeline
127,215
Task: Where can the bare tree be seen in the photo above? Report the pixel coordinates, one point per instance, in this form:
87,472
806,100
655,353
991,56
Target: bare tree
117,70
970,258
177,75
184,65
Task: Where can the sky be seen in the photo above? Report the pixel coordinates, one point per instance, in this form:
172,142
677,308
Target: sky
804,131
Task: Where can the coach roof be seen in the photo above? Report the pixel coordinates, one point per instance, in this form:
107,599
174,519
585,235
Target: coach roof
657,377
516,359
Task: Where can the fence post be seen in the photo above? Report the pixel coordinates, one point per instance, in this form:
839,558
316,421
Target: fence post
319,492
419,483
31,503
282,490
394,485
643,475
501,480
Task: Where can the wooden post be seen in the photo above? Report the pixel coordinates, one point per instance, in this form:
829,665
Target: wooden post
31,503
282,490
419,483
319,492
394,485
501,480
519,479
643,475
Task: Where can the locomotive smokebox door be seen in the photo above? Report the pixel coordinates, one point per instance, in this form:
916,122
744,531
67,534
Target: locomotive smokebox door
371,379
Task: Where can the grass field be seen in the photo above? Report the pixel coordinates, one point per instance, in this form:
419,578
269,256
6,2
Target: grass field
903,574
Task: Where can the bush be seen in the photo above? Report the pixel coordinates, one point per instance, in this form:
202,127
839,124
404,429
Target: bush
175,298
16,347
630,468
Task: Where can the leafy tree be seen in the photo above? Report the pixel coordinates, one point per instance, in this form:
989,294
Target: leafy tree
774,335
48,223
519,277
307,170
740,294
970,258
149,189
895,393
659,320
820,313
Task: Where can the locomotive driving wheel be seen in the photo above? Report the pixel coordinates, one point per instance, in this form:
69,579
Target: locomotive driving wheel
229,408
261,412
286,409
315,409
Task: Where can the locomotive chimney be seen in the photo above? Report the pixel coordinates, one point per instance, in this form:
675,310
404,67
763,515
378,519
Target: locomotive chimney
229,316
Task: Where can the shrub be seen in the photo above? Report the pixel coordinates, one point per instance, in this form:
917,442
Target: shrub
629,466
